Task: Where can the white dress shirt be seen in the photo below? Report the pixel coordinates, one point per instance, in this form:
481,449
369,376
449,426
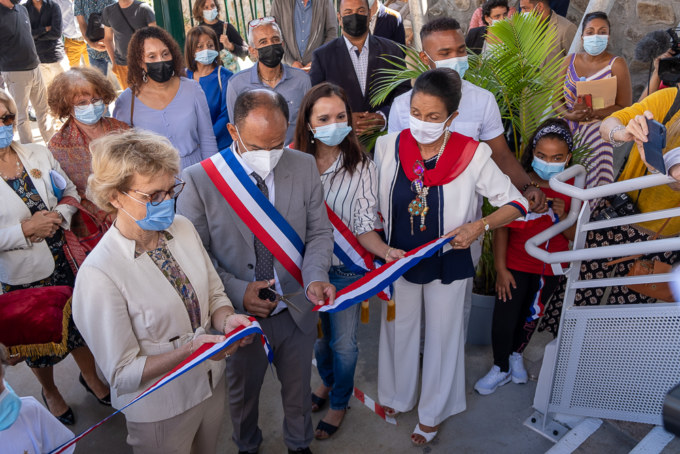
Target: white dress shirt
69,27
269,182
478,114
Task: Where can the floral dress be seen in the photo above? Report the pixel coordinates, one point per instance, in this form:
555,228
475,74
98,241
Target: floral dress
62,275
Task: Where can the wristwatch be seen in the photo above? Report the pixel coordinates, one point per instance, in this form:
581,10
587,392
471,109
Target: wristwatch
486,225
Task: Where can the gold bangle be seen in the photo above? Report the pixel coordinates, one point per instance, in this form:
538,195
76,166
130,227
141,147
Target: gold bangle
387,254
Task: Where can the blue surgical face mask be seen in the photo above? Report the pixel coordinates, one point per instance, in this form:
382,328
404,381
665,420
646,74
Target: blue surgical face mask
6,135
333,133
206,56
595,44
10,406
458,64
547,170
210,14
158,217
89,114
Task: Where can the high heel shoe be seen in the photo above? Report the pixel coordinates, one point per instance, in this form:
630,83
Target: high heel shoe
67,418
106,400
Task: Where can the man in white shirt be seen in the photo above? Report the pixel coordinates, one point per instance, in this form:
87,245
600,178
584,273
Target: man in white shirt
74,44
478,116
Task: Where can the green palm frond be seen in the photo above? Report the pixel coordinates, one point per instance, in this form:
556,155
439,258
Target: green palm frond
581,152
403,69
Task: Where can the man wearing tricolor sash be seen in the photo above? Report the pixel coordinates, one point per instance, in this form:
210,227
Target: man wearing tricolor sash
259,209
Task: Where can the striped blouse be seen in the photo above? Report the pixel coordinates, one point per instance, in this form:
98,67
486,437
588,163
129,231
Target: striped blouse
353,197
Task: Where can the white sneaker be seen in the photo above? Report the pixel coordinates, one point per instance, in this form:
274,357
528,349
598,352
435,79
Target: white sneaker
517,370
492,380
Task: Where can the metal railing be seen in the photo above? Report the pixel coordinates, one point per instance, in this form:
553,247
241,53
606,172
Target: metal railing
608,361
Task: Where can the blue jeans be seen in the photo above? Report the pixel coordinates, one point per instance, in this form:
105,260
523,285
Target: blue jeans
102,64
337,352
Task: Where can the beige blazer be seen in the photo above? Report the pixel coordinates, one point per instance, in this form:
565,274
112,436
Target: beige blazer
565,31
126,310
23,262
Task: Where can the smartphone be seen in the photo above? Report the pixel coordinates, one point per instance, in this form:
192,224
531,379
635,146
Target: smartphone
656,142
588,99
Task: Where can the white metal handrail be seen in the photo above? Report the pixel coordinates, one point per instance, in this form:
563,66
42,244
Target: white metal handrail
579,195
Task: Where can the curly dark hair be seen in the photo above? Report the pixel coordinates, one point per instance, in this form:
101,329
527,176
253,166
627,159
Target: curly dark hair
352,154
77,80
491,4
528,156
192,42
136,55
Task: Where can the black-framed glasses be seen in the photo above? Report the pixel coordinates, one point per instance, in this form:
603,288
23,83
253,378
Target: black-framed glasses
8,119
87,102
159,196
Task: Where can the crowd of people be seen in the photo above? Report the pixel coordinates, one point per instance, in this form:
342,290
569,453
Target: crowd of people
215,186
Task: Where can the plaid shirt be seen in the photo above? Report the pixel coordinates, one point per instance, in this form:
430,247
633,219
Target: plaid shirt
359,62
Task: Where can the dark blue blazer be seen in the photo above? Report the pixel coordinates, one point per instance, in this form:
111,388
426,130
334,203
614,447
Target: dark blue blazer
331,63
389,25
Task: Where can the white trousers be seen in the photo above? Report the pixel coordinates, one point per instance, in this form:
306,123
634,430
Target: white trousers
443,377
51,70
25,86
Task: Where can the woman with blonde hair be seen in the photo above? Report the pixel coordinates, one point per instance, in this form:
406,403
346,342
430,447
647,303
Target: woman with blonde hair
157,294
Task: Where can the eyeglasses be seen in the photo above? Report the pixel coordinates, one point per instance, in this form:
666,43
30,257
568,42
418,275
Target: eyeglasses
8,119
95,101
159,196
262,20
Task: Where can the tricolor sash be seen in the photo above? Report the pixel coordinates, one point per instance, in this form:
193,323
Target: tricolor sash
376,280
256,211
347,247
351,253
201,354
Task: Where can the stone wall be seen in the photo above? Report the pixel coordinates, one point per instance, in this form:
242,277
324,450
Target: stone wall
631,20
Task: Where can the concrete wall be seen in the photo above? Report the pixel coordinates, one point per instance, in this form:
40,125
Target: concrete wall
631,20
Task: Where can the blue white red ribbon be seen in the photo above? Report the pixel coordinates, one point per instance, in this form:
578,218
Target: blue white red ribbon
378,279
201,354
256,211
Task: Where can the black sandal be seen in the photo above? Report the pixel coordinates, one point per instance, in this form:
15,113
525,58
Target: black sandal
323,426
319,402
67,418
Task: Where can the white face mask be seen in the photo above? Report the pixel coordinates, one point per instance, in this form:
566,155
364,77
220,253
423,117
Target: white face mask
261,161
425,132
458,64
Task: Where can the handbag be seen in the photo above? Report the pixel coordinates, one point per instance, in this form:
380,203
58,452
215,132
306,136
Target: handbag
658,290
85,232
95,28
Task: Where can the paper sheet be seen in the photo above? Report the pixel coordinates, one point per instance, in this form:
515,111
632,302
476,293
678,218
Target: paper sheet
603,91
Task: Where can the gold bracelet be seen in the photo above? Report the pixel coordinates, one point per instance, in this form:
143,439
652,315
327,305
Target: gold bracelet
387,254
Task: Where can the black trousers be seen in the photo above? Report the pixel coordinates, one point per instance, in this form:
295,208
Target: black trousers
512,326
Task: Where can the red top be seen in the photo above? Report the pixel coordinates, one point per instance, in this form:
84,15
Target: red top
520,231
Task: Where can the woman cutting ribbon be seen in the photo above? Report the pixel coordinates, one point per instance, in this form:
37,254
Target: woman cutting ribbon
350,183
429,182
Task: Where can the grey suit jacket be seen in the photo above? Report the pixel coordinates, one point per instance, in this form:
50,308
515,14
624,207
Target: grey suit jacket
229,242
324,28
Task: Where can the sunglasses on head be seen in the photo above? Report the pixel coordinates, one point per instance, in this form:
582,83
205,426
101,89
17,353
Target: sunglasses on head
8,119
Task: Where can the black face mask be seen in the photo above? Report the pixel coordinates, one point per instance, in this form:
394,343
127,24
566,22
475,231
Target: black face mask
160,71
271,55
355,25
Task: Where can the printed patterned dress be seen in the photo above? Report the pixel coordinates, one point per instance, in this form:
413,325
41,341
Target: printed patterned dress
62,275
600,164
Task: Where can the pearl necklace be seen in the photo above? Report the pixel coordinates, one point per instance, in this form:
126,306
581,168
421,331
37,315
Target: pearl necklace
17,173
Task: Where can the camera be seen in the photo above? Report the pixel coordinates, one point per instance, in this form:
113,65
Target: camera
669,68
618,205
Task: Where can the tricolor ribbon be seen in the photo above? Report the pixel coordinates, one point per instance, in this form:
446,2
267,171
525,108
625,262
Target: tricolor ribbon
256,211
351,253
378,279
201,354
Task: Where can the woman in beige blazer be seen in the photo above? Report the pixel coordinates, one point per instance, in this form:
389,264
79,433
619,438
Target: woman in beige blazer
147,295
31,247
